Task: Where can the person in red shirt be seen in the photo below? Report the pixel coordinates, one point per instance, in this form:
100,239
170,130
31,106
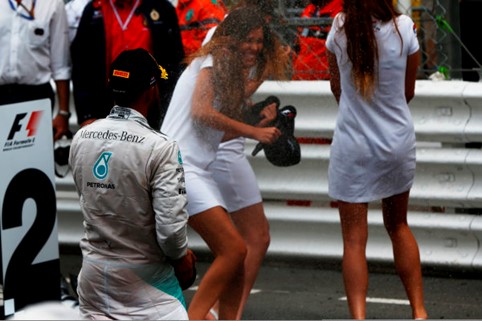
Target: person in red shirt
108,27
310,63
196,17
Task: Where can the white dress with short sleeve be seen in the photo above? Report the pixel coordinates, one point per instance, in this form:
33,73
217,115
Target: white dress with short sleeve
372,155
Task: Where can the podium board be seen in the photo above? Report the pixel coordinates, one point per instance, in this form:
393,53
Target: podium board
30,266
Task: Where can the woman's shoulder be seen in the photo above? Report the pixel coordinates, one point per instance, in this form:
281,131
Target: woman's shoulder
404,20
406,26
207,61
202,62
338,21
339,18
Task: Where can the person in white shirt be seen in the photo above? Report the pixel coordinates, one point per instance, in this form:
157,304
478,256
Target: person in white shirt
205,110
74,9
373,54
34,49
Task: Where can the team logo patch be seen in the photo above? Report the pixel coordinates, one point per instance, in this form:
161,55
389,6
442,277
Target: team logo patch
154,15
120,73
164,74
189,14
101,167
179,158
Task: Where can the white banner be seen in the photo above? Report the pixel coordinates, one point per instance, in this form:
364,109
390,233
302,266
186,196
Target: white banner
28,225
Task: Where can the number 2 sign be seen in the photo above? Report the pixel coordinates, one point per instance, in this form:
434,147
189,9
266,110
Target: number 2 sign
30,268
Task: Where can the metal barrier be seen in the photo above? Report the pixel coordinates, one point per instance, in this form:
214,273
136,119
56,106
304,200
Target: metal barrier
304,221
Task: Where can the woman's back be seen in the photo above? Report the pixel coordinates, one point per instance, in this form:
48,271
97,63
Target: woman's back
380,130
392,52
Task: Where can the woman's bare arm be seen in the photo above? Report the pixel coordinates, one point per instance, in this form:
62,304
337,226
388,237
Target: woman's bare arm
413,62
334,75
204,112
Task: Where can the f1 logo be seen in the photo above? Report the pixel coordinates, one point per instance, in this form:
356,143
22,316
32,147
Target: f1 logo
31,126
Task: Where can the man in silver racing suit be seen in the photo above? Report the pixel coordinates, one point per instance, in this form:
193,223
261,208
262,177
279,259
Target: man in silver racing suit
132,194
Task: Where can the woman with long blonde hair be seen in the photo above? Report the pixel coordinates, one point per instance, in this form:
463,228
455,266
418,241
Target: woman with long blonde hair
373,54
232,170
206,109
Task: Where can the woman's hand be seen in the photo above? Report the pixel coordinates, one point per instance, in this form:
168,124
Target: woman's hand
267,135
268,115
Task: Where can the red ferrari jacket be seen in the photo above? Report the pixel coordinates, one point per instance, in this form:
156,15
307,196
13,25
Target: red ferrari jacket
196,17
311,62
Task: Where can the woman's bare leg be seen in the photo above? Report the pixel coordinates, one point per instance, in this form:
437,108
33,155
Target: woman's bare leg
405,251
253,226
354,226
224,279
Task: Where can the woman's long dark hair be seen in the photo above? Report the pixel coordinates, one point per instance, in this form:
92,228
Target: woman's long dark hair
362,47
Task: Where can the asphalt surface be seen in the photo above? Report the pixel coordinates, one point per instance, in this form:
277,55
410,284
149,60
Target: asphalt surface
306,291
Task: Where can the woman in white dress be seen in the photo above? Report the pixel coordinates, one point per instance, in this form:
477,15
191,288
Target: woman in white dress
204,111
236,178
374,55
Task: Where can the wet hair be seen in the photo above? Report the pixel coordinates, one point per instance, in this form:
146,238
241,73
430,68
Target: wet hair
362,47
277,21
266,7
228,77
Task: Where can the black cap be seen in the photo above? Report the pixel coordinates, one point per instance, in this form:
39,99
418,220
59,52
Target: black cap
133,71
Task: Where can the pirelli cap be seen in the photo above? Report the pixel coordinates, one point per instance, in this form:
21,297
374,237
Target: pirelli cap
133,71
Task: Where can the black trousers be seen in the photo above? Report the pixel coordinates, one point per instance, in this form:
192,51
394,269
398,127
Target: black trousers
13,93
